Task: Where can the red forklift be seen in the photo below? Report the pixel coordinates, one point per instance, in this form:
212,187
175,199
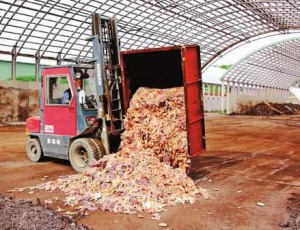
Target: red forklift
88,125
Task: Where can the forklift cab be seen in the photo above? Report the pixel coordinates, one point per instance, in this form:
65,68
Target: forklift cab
64,114
60,90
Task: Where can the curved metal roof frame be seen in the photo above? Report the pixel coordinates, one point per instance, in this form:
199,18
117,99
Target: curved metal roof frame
61,26
264,37
277,66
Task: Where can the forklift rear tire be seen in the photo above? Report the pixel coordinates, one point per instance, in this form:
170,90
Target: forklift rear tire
82,152
34,150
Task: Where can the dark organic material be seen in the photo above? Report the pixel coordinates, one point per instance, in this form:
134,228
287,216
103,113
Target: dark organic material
293,208
21,214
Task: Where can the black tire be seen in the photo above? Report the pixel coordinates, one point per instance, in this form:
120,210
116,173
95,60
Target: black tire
34,150
100,148
82,152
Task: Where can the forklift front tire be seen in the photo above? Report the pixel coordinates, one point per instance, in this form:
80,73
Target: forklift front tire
82,152
34,150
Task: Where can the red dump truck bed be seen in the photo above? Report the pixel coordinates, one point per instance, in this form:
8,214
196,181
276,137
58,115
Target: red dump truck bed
166,68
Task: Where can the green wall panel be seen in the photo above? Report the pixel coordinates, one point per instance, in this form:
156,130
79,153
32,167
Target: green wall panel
23,69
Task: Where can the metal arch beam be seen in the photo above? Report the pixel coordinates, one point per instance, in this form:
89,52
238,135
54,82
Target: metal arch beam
85,29
273,70
14,4
5,16
269,17
130,29
128,32
40,19
189,19
218,30
18,20
204,23
287,56
268,68
264,80
60,28
208,26
133,27
33,9
218,53
244,75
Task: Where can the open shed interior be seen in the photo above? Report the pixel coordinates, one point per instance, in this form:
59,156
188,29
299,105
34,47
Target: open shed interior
250,168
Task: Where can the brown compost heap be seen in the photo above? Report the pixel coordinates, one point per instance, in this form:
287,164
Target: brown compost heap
270,109
149,170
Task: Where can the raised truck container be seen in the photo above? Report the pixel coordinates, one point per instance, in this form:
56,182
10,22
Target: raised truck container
165,68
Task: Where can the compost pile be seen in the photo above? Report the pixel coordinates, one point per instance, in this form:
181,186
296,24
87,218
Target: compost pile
293,209
272,109
21,214
156,122
149,170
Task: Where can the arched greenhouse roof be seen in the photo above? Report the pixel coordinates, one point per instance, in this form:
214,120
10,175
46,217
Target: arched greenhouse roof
61,26
277,66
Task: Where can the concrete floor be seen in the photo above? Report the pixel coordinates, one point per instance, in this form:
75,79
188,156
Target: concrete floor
248,160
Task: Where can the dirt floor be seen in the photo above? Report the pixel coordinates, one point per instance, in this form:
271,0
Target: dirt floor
248,160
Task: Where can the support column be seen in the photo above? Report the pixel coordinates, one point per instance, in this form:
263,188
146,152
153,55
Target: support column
14,63
227,97
37,66
209,89
214,98
58,58
246,87
209,99
254,91
204,93
214,90
273,93
268,93
264,92
222,97
250,90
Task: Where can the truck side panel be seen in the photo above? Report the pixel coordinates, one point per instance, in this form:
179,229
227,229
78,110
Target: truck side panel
193,100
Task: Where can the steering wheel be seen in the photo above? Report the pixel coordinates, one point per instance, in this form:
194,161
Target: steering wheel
91,101
91,98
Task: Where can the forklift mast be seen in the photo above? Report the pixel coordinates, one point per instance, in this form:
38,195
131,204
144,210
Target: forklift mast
106,52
